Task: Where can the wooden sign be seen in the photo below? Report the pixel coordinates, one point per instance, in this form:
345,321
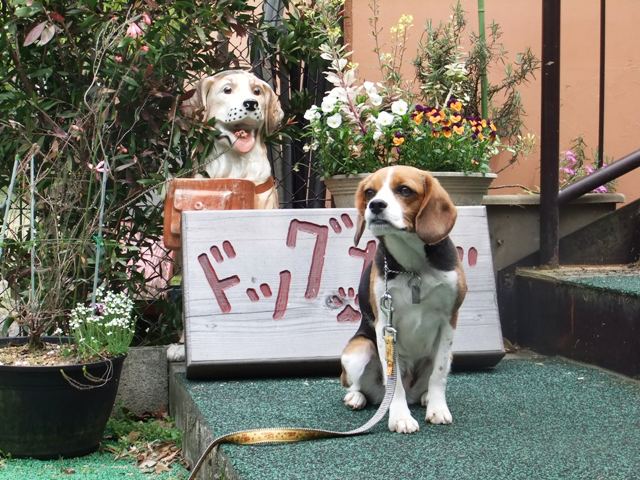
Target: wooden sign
271,292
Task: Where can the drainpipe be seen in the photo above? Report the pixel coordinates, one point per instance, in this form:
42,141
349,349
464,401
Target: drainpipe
483,74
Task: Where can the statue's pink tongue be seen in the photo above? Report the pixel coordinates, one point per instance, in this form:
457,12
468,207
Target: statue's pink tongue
245,140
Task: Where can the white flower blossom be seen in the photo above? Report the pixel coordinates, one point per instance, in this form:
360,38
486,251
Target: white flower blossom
328,103
384,119
377,134
376,100
335,120
399,107
312,114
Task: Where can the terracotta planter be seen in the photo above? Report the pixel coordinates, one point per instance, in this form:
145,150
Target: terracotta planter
464,188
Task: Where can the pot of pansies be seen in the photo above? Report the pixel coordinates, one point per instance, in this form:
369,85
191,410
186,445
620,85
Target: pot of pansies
356,131
359,128
57,392
430,123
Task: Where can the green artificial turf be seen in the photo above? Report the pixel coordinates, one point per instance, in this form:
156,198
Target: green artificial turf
97,466
626,284
527,419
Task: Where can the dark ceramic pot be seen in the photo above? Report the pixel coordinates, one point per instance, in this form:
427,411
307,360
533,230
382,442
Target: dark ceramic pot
55,411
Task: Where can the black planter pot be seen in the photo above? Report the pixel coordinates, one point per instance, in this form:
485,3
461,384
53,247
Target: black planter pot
57,411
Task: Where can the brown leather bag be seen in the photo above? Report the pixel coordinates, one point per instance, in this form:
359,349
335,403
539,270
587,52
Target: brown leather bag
184,194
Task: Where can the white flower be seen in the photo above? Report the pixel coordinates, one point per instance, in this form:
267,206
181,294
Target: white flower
312,114
399,107
57,332
376,100
377,134
328,103
335,120
384,119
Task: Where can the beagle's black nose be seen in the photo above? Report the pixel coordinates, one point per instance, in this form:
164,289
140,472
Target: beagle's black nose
377,206
250,105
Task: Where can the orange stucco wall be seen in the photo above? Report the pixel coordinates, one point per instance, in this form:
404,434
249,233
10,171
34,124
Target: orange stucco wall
520,21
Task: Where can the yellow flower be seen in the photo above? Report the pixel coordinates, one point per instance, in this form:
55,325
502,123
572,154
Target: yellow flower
446,132
483,123
456,106
418,118
455,118
480,137
458,129
492,126
397,141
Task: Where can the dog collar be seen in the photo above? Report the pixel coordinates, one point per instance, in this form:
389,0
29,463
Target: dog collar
413,283
266,186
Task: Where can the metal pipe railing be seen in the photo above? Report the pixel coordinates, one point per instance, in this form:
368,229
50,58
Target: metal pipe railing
550,134
600,177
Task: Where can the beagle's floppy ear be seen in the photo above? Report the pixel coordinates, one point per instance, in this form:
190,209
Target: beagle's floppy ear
361,205
197,103
437,214
274,113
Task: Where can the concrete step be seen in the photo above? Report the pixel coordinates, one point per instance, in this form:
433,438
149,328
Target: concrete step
590,313
530,417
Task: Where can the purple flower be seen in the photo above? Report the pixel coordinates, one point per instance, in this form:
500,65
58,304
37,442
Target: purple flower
99,309
601,189
589,169
570,157
568,170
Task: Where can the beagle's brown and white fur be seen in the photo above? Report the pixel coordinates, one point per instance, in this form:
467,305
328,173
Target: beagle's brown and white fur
245,109
411,215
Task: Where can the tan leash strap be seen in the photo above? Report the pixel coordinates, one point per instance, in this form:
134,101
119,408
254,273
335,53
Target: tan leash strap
290,435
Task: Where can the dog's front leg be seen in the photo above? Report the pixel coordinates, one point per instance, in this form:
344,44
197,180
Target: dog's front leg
435,398
400,419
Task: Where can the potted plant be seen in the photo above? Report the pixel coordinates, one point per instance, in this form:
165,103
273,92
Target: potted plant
56,401
88,136
361,126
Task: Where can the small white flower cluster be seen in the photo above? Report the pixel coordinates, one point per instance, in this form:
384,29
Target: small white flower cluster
340,103
104,328
111,311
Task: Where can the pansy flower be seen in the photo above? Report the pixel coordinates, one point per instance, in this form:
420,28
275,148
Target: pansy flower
455,105
398,139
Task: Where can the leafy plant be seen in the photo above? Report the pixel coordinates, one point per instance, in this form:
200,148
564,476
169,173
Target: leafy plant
445,70
89,90
575,164
104,328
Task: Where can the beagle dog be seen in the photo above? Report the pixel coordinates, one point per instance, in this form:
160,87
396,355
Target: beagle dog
411,215
245,109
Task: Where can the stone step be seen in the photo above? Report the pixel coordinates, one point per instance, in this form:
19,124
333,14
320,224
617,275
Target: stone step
530,417
589,313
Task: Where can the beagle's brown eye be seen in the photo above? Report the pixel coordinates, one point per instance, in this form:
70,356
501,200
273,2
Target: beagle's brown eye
369,193
257,91
227,90
404,191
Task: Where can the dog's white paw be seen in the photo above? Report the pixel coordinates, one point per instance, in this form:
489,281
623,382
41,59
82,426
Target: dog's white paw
438,413
403,424
175,352
355,400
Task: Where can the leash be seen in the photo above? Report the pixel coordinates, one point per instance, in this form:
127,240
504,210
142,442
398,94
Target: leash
289,435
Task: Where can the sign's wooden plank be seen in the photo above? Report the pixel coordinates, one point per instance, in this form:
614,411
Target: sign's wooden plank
281,285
